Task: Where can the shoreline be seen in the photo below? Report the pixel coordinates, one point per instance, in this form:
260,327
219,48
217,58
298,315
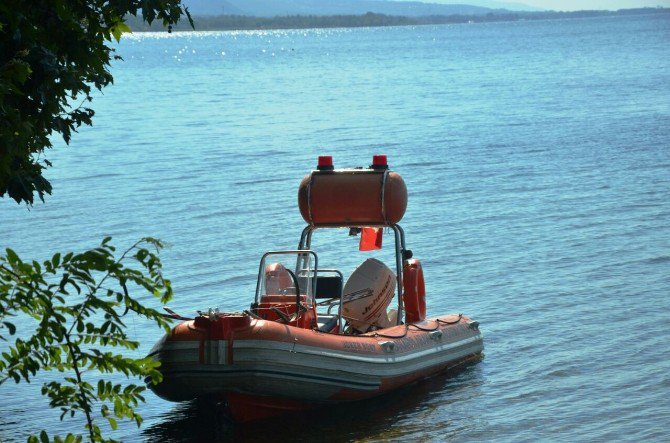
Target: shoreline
369,20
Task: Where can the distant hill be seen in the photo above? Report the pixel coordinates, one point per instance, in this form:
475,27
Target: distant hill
510,6
272,8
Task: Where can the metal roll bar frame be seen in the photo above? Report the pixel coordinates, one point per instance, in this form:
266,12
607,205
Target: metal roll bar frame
400,252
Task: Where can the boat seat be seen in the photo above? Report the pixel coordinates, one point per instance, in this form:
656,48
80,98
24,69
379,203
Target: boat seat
328,286
326,322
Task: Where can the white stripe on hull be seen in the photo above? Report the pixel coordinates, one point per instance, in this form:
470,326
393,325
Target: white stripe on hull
295,371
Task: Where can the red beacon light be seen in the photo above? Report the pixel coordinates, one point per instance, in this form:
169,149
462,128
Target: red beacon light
379,162
325,163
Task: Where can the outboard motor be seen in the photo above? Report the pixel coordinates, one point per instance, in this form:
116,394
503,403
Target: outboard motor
367,294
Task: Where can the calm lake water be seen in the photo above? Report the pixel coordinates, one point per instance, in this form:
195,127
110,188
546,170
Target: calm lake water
537,158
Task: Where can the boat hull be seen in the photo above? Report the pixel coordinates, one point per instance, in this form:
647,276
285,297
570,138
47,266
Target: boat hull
262,368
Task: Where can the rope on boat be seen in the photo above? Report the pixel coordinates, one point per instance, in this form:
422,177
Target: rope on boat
407,326
377,334
460,317
252,315
173,315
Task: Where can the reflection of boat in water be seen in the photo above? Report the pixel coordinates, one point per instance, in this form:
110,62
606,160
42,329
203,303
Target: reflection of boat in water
385,417
309,339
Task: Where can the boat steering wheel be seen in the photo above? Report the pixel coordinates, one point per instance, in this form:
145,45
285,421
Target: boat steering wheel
299,307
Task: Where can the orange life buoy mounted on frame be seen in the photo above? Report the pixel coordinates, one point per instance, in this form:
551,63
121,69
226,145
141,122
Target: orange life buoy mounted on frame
414,291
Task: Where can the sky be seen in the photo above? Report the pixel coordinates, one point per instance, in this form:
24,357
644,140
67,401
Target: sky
572,5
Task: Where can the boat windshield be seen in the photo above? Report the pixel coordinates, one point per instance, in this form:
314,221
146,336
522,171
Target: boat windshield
287,273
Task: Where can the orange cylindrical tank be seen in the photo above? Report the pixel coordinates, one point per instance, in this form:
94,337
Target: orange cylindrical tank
414,291
352,197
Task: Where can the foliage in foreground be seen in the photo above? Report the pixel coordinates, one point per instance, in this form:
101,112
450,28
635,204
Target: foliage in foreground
71,312
52,54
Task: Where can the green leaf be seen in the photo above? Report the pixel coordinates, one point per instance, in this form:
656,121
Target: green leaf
10,327
12,257
63,282
16,70
118,29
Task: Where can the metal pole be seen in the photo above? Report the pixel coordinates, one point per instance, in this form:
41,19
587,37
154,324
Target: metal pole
399,247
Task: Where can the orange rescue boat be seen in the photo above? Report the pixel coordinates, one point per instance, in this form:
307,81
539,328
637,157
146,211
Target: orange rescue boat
308,338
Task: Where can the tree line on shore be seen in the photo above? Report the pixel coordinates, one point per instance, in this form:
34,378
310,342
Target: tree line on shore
370,19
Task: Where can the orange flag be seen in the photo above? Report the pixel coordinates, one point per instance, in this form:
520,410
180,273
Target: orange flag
371,239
